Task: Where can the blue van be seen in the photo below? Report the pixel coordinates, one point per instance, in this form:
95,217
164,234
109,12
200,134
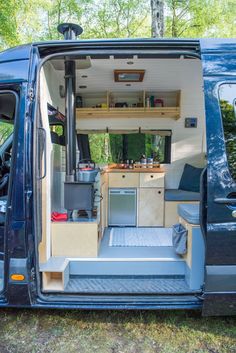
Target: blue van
118,174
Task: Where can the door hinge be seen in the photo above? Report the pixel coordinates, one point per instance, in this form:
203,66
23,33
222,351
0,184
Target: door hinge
31,93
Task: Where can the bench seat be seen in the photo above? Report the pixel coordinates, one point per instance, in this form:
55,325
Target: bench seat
181,195
189,212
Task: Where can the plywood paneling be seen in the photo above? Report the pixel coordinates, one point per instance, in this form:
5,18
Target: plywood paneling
123,180
74,239
155,180
171,212
150,207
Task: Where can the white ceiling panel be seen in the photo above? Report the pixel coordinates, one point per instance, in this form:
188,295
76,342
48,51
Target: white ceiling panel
160,74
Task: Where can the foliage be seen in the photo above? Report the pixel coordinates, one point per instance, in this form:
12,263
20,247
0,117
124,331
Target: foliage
114,148
6,130
32,20
229,123
8,23
200,18
118,18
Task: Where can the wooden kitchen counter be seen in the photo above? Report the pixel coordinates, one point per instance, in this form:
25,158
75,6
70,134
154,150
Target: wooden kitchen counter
134,170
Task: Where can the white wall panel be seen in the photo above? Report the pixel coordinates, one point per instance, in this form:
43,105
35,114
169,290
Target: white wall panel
188,144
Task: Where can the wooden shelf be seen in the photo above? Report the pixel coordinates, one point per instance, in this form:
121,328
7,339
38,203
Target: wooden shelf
159,112
170,110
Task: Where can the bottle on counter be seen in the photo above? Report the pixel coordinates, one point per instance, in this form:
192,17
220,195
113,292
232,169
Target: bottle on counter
131,164
127,164
143,161
150,162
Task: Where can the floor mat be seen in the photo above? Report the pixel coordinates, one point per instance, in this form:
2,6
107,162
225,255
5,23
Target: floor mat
124,237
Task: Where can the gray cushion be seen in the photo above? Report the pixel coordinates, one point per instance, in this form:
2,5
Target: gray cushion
181,195
189,212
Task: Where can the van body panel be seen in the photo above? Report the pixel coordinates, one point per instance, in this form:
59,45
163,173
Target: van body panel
218,45
221,278
219,66
21,52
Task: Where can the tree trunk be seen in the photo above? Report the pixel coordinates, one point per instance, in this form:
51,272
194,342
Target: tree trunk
157,10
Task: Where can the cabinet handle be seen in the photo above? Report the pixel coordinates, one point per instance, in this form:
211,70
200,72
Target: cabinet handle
159,192
123,176
151,176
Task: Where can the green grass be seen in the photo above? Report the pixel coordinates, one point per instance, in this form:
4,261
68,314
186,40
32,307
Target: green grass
31,331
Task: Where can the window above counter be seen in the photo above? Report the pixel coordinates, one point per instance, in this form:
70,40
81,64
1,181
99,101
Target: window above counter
117,147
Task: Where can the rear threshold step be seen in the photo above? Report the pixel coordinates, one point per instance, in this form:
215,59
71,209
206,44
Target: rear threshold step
127,267
127,285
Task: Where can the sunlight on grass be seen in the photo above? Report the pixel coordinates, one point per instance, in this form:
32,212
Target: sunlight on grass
31,331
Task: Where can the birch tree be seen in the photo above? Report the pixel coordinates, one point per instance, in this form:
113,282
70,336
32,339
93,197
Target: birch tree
157,14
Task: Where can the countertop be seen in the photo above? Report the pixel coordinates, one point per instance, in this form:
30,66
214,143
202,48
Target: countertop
134,170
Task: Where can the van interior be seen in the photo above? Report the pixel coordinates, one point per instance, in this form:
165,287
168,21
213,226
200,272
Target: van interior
129,221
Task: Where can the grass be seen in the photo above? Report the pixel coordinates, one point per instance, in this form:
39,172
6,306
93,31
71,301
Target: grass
33,331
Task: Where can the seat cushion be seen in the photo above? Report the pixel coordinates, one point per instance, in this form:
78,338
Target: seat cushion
189,212
181,195
190,180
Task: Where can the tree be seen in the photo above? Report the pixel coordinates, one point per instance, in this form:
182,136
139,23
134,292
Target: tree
200,18
157,13
23,21
117,19
8,23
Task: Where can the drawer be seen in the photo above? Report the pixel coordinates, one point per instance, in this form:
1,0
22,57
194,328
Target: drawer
124,180
152,180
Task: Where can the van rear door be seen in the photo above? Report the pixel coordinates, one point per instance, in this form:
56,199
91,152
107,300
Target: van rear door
219,190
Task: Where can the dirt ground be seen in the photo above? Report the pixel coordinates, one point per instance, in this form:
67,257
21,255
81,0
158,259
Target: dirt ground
33,331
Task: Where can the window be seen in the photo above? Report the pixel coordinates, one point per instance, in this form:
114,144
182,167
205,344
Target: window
6,129
58,129
57,122
7,111
114,148
227,94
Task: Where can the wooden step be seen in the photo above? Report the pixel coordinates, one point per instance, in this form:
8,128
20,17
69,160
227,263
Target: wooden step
55,274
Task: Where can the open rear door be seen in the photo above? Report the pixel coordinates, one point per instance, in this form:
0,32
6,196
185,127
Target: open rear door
219,210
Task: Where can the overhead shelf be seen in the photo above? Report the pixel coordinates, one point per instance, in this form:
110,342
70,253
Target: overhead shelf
170,108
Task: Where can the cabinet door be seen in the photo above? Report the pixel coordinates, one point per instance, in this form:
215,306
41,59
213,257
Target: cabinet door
124,180
151,207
